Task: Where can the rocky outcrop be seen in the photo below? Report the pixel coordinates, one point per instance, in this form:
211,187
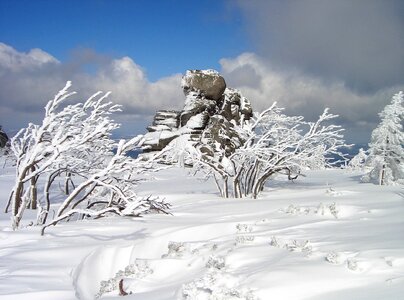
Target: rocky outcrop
209,116
3,138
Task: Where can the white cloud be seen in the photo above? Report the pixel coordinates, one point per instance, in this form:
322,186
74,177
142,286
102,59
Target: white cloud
12,60
305,95
29,80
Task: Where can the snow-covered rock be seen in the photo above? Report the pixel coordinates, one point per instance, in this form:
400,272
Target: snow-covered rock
3,138
196,104
208,116
206,82
168,118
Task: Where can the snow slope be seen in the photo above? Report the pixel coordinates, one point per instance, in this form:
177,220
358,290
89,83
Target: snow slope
324,236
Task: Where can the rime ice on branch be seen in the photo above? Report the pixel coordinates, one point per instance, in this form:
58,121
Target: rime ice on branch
275,144
74,142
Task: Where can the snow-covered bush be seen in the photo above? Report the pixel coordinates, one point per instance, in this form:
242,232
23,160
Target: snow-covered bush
274,144
74,140
281,144
357,163
386,153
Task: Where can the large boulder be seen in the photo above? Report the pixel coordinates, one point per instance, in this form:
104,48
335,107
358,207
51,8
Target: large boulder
207,82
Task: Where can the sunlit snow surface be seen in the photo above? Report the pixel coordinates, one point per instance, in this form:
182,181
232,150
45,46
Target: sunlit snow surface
324,236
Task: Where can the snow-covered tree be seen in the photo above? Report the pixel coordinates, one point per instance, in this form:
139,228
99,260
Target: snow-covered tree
40,148
281,144
386,153
274,144
358,161
75,140
109,188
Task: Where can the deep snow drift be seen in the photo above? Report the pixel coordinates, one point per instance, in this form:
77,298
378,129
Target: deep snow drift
324,236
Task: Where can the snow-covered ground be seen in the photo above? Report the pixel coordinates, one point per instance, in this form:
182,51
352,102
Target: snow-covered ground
324,236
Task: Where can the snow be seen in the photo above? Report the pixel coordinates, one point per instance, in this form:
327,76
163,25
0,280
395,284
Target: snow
323,236
191,73
198,121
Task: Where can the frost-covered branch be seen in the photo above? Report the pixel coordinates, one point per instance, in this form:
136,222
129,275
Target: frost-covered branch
75,140
274,144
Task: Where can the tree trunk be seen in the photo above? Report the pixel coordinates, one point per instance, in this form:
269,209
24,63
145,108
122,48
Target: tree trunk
10,198
34,198
67,180
17,200
383,170
382,175
21,208
51,178
237,189
225,188
47,200
33,191
252,178
260,183
236,185
247,180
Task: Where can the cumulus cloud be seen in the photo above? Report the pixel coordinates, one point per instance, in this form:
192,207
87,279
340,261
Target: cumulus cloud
357,42
29,80
14,61
306,95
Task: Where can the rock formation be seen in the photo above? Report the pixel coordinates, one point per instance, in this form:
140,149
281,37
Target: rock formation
210,113
3,138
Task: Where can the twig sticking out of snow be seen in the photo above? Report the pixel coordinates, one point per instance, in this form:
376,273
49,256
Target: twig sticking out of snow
121,289
138,270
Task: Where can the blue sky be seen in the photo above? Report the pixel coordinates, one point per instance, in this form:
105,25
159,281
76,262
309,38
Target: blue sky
306,55
164,37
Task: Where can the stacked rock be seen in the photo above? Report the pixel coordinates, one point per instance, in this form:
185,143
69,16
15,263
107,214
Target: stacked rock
209,115
165,120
